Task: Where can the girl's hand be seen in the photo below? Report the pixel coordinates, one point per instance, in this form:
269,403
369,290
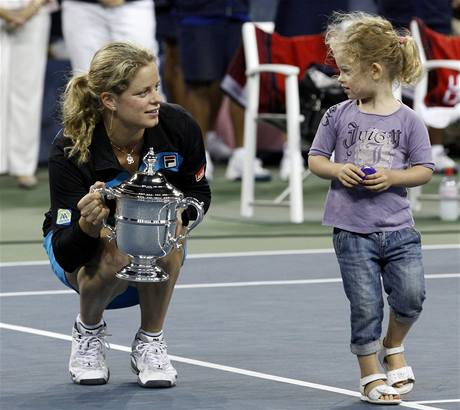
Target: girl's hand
93,211
378,182
350,175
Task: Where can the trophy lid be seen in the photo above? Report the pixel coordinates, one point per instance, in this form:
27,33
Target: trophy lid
148,185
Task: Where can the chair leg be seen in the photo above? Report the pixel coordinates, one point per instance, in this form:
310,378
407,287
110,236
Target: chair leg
293,132
250,142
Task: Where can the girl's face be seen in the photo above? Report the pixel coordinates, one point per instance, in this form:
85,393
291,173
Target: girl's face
138,106
358,85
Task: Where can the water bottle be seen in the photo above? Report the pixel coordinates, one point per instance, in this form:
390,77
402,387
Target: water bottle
448,193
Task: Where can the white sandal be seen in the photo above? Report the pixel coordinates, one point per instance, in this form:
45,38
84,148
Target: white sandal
373,396
397,375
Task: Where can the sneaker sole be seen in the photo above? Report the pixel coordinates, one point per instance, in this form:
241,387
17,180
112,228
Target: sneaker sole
90,382
152,383
156,384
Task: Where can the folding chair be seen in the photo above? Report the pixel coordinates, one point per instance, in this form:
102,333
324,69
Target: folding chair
291,118
448,109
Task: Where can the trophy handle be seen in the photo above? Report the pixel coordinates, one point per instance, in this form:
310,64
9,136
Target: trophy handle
184,204
106,193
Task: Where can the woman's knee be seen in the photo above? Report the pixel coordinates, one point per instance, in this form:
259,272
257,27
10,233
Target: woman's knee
107,261
172,262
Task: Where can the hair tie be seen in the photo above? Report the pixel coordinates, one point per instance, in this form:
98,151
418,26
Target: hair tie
402,39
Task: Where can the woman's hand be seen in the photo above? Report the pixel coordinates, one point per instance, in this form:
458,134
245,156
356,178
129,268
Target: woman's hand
93,211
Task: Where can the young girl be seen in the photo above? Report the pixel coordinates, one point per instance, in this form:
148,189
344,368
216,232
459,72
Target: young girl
381,148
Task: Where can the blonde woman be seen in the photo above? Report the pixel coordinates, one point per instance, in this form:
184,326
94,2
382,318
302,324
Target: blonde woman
112,115
381,148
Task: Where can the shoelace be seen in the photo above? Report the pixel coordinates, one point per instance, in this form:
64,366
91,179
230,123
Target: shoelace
90,348
153,354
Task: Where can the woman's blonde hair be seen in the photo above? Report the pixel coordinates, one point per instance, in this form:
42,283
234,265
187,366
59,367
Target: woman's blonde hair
368,39
112,69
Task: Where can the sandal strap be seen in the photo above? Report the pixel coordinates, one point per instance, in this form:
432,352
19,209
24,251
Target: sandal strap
388,351
400,375
372,378
381,390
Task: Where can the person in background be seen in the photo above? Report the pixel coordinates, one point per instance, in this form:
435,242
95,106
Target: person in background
88,25
209,34
24,34
437,15
112,115
167,35
381,148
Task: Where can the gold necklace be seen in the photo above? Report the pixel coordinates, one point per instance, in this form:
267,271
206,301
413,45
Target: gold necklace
129,155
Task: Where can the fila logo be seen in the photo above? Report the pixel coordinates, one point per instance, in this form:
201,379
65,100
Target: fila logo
170,161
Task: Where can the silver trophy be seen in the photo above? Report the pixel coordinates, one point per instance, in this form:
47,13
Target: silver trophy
146,219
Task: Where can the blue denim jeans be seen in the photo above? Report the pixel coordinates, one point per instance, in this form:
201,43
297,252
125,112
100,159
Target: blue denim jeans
367,260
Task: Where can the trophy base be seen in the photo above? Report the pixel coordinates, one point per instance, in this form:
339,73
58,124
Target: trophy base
138,272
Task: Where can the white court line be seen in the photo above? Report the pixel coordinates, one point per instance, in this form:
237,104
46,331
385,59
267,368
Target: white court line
438,401
220,367
241,254
226,285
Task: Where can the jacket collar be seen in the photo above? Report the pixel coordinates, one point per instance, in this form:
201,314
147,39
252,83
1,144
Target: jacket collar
102,153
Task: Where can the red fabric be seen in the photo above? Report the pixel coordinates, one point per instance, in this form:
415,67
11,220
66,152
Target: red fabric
300,51
440,47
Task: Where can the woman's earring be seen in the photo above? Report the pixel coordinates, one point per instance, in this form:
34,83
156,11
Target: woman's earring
111,120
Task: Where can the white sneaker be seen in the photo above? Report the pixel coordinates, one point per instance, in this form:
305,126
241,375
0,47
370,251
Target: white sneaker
441,160
216,147
150,361
209,167
285,165
234,171
87,358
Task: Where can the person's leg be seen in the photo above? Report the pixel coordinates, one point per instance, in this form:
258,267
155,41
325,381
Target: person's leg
235,164
173,76
404,282
134,21
28,54
359,259
154,298
149,356
6,70
203,101
440,158
84,29
97,285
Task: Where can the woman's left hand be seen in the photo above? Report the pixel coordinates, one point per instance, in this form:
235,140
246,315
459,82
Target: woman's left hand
378,182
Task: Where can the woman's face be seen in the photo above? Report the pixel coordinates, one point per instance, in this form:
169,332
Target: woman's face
138,106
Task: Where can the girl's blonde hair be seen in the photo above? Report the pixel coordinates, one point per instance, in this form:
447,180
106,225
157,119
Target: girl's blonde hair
368,39
112,69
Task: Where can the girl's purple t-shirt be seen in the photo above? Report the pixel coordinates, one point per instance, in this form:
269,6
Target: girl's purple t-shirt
399,140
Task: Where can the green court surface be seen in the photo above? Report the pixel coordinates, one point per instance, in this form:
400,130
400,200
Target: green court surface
223,229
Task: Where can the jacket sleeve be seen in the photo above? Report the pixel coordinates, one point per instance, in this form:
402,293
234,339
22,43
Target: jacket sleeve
191,179
72,247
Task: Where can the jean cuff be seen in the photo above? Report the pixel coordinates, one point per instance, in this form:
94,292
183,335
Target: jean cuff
405,319
364,350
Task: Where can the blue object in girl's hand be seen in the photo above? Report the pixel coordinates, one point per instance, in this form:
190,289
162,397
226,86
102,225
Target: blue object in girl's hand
368,170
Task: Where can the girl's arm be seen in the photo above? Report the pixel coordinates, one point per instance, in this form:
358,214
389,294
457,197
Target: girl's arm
348,174
410,177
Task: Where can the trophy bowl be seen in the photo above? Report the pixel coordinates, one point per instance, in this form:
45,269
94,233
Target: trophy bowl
146,221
